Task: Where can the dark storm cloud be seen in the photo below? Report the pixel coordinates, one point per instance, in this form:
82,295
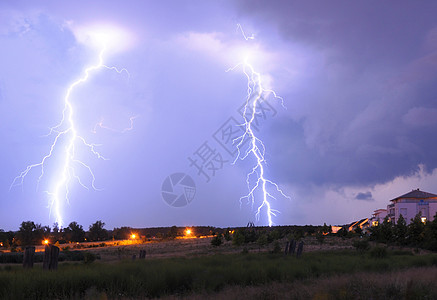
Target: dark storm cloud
368,113
358,81
366,196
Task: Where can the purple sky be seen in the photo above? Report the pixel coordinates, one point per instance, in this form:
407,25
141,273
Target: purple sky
358,82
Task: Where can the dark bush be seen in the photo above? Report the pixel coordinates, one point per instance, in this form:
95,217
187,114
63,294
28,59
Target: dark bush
217,240
361,245
276,247
89,257
378,252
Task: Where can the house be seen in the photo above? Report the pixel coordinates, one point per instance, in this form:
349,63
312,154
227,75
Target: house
362,224
410,204
378,216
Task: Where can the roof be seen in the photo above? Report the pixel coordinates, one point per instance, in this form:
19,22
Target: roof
416,194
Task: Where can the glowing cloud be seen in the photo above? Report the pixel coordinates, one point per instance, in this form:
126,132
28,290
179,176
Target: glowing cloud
256,179
67,138
114,38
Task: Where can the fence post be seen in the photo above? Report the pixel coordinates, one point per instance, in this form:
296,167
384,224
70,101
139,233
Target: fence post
51,255
286,248
28,258
46,260
54,255
299,249
292,247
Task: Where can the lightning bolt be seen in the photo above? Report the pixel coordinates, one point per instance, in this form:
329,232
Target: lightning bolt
100,124
256,93
66,130
251,37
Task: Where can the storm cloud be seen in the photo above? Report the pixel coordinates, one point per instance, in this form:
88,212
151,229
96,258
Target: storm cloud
359,83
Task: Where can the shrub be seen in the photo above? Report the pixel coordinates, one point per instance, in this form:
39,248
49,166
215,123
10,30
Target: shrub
361,245
238,238
227,235
378,252
276,247
89,257
217,240
401,252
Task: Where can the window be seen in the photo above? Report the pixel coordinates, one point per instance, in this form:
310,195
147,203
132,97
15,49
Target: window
404,212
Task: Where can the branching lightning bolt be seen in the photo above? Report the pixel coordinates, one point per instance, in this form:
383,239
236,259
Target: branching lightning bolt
255,94
100,124
66,129
251,37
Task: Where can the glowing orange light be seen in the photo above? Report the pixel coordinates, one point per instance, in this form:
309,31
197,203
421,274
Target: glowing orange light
133,236
45,242
188,231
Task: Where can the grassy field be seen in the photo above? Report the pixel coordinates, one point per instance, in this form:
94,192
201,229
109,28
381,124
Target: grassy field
344,274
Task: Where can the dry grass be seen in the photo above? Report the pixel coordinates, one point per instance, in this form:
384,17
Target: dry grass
414,283
200,247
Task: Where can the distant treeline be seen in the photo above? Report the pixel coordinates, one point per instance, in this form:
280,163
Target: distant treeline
417,234
31,233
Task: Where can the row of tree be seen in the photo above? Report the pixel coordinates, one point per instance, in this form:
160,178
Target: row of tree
30,233
416,234
266,235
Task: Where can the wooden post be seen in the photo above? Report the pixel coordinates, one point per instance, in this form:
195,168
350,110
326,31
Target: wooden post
54,255
292,247
142,254
299,250
46,260
286,248
28,258
51,255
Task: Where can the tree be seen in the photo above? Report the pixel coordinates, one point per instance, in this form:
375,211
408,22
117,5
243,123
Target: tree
97,232
29,233
6,238
415,231
74,232
3,238
375,233
121,233
238,238
401,231
430,234
250,235
173,233
387,231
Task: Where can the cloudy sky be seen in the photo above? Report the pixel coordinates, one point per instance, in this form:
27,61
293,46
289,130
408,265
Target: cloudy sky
358,128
